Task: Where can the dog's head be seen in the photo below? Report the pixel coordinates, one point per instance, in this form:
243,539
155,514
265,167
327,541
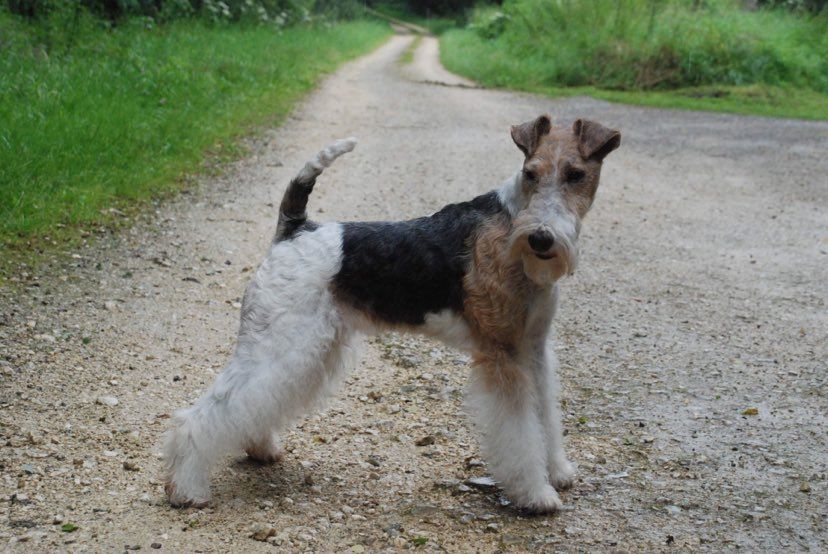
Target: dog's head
554,191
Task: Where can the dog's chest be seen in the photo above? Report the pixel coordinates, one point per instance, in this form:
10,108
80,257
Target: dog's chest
497,293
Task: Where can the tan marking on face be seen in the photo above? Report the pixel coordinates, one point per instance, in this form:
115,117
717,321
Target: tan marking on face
496,305
556,156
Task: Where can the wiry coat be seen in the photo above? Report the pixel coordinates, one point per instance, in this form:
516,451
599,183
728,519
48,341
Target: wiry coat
480,275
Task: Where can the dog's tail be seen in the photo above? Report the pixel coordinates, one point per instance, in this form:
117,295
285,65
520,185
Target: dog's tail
292,212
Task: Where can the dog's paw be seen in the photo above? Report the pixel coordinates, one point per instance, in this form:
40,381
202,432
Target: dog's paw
266,453
562,474
179,500
543,501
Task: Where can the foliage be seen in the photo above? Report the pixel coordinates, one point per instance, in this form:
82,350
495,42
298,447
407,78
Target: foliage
658,44
438,7
436,25
487,62
98,118
280,12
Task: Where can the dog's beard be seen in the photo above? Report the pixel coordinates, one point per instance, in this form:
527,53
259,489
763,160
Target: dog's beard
544,272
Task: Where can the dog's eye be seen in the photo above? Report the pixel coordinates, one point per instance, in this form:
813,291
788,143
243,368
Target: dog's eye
530,175
574,175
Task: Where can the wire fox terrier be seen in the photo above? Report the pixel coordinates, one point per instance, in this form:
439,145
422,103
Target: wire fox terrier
480,275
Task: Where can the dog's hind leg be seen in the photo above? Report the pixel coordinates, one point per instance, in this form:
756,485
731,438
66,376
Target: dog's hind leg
250,401
503,402
289,353
266,449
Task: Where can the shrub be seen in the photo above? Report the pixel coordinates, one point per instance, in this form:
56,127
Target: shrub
660,44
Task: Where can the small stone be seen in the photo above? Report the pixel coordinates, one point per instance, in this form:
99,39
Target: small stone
804,487
357,549
156,545
130,466
492,528
481,482
673,510
419,510
374,460
425,441
394,408
109,305
110,401
751,412
261,532
57,520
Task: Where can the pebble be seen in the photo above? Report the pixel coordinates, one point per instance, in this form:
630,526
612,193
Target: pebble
425,441
481,482
110,401
261,532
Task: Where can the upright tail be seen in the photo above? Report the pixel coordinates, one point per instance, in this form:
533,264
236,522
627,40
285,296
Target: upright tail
292,212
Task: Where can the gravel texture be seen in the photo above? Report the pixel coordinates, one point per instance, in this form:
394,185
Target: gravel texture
692,342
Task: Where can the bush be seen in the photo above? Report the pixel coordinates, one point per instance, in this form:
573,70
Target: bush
659,44
280,12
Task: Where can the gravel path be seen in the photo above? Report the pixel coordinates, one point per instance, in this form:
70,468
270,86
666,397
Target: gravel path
692,342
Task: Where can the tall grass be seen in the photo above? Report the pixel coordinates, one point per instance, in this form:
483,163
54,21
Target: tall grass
96,118
657,44
695,54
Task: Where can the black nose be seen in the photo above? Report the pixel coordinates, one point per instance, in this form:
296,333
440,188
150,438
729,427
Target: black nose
541,241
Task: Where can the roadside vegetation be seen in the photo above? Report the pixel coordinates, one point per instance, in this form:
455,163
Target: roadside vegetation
698,54
102,112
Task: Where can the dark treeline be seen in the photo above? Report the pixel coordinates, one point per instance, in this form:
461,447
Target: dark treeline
281,11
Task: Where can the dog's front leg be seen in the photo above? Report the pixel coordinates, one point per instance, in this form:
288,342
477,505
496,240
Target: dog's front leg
561,471
503,401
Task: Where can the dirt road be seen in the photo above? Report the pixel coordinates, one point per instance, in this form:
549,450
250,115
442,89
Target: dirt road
692,341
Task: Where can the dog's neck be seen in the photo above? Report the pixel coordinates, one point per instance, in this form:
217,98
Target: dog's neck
512,194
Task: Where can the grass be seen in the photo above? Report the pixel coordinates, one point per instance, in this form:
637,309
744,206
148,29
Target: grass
96,122
663,53
408,56
465,53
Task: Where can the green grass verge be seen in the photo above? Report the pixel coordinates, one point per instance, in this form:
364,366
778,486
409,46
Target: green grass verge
102,121
491,64
408,56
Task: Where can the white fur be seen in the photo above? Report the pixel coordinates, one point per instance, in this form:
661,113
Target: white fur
541,210
449,328
521,432
291,349
315,166
512,196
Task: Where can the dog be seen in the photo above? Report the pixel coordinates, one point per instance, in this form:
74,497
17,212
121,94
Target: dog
480,275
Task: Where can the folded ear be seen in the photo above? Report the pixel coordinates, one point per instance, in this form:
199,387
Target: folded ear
594,140
527,135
